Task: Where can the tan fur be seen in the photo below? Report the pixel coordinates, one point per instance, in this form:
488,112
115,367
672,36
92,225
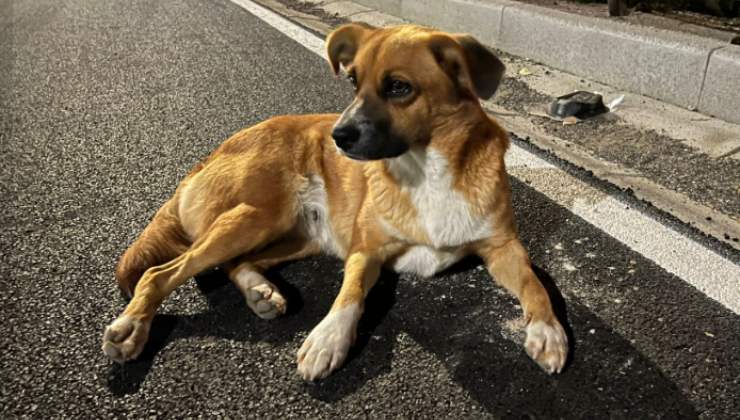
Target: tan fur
241,207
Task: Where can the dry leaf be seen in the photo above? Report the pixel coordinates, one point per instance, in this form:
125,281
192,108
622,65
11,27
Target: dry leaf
570,120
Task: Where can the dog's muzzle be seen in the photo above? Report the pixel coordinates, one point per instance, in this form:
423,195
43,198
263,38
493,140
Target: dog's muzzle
361,137
345,136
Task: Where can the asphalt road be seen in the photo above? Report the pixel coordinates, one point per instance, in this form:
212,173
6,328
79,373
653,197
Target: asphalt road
107,104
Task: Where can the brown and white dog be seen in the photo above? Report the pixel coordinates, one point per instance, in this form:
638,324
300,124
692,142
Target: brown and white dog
410,176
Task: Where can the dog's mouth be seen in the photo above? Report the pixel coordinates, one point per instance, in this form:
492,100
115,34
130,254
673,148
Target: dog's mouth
354,156
364,155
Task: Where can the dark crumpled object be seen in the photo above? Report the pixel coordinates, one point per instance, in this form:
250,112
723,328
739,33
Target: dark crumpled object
579,104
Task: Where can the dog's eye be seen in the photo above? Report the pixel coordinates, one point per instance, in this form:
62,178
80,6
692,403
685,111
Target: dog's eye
395,88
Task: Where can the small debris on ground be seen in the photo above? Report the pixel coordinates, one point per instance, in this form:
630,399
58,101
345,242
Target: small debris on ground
615,103
570,120
579,104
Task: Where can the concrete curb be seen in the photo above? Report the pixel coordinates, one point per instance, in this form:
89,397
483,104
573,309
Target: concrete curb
687,70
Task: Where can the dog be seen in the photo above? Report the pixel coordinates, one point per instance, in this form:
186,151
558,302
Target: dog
410,176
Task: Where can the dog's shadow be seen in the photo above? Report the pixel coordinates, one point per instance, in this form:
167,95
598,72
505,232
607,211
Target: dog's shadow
461,318
476,347
228,316
470,333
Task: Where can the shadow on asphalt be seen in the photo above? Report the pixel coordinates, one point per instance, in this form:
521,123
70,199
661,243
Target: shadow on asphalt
461,318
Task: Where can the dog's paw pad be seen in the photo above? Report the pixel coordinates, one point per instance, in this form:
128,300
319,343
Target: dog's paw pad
263,297
265,300
326,347
125,338
547,344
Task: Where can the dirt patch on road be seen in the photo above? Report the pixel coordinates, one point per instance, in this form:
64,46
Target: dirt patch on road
664,160
315,10
514,94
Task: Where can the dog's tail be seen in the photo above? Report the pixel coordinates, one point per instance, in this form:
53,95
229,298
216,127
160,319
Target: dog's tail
161,241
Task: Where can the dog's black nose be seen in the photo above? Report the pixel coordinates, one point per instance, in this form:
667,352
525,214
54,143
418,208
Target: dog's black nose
345,136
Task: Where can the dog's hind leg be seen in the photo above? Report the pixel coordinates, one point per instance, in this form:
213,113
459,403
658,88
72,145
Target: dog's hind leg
262,296
161,241
235,232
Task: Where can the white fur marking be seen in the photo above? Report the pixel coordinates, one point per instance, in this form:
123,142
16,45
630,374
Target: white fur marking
547,344
443,212
124,339
425,261
263,297
314,214
327,345
190,208
248,279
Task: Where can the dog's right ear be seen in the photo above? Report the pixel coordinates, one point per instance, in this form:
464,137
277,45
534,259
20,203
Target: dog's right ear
343,42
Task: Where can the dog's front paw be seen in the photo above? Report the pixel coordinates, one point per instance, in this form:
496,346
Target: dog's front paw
124,339
547,344
326,347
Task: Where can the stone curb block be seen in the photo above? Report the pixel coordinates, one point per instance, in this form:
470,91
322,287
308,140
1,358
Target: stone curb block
655,63
392,7
376,18
662,64
346,7
482,20
721,94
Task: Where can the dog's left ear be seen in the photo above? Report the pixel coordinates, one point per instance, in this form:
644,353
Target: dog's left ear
342,44
470,64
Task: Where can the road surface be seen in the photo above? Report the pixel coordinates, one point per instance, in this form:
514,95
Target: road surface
107,104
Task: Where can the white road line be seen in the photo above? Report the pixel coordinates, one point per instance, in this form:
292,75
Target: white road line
517,156
714,275
293,31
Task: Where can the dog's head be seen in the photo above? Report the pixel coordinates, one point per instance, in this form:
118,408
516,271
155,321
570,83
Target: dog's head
408,81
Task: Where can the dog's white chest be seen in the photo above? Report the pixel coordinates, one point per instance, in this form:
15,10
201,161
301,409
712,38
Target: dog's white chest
442,212
425,261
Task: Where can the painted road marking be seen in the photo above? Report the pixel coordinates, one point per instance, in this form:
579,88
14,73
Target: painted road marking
714,275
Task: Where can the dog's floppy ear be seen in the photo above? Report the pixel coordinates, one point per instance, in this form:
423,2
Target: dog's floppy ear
471,65
343,42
